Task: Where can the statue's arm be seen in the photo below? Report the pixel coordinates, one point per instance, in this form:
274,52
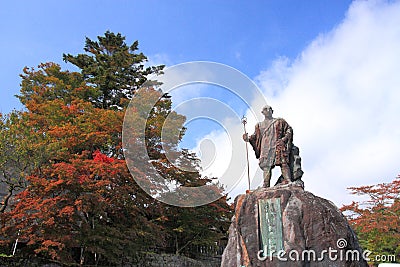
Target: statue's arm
285,136
255,141
288,137
254,136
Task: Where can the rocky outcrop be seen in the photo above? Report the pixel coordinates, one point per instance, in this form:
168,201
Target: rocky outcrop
313,231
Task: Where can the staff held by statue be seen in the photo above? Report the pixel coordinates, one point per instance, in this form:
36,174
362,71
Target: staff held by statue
244,121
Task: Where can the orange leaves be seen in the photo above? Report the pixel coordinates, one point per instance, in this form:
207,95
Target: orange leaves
72,109
67,210
83,178
50,222
50,243
377,219
63,170
52,185
60,111
50,247
47,83
78,204
381,194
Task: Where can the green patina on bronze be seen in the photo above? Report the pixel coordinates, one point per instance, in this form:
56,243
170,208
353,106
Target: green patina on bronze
270,223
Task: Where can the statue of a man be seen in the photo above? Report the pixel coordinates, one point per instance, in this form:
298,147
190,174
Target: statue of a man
272,143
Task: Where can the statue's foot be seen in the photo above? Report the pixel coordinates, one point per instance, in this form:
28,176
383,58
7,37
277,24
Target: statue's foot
299,182
266,185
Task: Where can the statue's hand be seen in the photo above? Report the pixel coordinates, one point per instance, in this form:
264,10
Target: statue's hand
280,142
246,137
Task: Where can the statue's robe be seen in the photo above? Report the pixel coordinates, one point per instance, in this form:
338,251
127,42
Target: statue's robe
271,142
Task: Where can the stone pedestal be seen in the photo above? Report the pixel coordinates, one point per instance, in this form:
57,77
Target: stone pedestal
307,230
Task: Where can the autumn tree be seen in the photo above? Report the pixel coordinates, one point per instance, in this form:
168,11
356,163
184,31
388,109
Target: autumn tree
115,69
81,203
16,155
377,219
82,197
184,227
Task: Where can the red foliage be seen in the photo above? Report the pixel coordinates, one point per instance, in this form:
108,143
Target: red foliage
100,157
377,219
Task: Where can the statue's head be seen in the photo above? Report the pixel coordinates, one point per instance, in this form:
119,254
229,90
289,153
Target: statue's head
267,109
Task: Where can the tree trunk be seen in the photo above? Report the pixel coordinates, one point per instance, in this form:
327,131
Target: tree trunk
4,204
176,245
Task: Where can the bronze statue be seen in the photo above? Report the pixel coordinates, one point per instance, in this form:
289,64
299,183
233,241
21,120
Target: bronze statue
272,142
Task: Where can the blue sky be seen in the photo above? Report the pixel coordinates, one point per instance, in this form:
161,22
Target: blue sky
245,35
330,68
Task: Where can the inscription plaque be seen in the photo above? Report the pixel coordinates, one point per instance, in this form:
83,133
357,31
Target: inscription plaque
270,224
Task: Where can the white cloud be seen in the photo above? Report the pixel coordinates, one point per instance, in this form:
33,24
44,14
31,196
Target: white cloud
275,79
210,156
158,59
223,155
342,97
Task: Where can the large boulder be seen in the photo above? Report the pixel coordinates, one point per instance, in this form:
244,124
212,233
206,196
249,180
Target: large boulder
309,230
